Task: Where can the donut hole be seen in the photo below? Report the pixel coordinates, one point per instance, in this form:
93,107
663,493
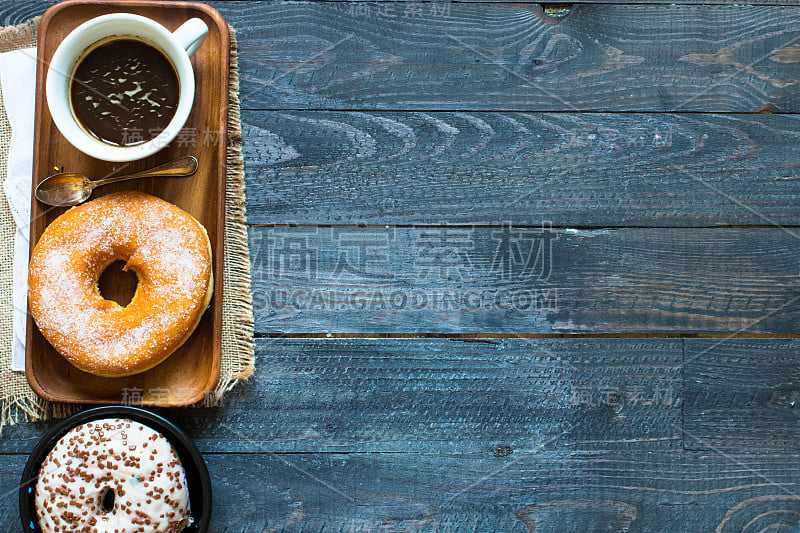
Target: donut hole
116,284
107,497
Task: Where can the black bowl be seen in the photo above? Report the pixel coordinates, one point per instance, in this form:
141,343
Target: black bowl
197,478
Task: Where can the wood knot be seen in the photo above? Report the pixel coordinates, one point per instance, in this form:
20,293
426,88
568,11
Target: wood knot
583,515
553,13
502,451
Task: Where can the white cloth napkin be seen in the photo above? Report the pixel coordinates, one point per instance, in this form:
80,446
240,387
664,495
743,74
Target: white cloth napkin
18,80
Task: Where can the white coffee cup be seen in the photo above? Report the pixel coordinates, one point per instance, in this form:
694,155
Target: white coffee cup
176,46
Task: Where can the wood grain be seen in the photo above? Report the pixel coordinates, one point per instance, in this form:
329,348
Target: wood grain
513,280
434,396
742,394
13,13
374,113
488,168
664,491
467,56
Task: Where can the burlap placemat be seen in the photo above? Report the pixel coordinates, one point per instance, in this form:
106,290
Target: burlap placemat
17,400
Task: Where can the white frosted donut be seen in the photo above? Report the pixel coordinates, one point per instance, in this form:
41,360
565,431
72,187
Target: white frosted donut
112,474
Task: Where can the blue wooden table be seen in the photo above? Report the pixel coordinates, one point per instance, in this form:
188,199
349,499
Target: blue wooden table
515,268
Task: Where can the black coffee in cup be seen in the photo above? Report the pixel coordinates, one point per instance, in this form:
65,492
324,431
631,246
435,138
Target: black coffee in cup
124,92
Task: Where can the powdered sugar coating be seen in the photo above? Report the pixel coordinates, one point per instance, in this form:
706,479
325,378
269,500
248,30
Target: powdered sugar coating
167,249
135,461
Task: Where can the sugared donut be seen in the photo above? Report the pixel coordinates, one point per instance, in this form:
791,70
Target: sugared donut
167,249
112,474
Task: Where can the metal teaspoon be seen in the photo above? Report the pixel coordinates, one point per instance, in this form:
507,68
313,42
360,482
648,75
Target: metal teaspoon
71,188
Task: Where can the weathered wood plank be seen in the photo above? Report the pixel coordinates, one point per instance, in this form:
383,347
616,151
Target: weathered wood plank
15,12
557,6
462,56
524,280
560,9
487,168
742,394
428,395
666,491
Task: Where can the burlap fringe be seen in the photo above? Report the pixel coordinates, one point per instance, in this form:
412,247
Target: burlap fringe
31,408
237,303
21,36
19,401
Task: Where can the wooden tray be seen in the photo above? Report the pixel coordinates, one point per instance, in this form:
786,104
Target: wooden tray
188,374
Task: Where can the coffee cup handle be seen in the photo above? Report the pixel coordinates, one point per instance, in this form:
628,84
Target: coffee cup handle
191,35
